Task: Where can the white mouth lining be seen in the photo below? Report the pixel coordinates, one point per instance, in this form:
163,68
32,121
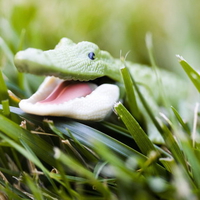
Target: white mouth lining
95,106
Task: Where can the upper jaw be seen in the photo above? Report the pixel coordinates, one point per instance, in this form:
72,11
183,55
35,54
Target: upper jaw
56,63
94,106
31,59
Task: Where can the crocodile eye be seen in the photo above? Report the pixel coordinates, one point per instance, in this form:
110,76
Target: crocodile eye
91,55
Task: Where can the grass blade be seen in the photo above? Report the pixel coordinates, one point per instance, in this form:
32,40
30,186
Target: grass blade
140,137
193,158
192,74
146,106
183,124
149,45
3,88
168,163
9,70
173,146
130,94
6,108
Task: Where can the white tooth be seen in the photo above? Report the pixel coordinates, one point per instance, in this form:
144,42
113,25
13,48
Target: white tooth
95,106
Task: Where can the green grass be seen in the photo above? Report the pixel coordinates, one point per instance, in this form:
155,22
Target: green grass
59,158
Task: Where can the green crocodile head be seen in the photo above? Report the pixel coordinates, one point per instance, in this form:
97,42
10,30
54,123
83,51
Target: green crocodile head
83,61
66,90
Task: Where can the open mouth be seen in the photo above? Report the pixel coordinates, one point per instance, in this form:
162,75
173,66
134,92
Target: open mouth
74,99
66,91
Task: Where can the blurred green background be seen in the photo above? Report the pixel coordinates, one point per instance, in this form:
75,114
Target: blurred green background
114,25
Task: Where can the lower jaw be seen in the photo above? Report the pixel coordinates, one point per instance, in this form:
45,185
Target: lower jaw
94,106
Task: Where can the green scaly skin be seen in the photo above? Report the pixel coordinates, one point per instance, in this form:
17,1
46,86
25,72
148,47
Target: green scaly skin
85,62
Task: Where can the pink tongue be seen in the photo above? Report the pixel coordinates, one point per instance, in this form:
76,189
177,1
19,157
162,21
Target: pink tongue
67,91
